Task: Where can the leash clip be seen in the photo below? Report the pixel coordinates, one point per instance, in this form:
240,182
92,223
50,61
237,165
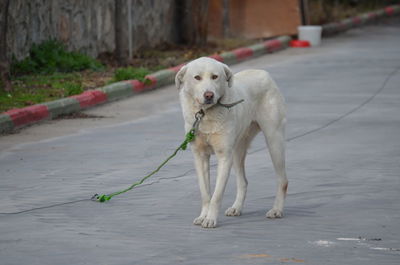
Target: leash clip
199,115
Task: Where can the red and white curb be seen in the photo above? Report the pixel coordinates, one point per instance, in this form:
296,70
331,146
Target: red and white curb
345,24
18,118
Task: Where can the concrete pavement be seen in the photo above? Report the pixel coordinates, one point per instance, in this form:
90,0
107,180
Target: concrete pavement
343,167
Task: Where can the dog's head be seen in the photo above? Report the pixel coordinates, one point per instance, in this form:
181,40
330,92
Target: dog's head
205,80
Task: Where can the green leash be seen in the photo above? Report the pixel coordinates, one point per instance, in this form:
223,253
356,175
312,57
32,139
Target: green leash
190,136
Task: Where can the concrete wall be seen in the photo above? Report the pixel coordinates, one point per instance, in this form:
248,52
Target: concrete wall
87,25
153,22
254,19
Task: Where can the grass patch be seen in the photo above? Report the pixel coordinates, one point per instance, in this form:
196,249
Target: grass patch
33,89
50,57
129,73
50,72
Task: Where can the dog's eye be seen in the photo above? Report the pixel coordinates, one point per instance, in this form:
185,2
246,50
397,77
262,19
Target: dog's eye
197,77
214,77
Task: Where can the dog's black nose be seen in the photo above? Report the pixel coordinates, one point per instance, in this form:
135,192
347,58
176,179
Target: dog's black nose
208,96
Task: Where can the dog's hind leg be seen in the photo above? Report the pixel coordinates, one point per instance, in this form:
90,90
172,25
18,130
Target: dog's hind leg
276,146
272,124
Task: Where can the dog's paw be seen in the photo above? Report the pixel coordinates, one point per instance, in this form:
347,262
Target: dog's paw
199,220
232,212
209,223
274,213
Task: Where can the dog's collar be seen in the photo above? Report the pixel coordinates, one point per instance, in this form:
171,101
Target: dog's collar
229,105
200,114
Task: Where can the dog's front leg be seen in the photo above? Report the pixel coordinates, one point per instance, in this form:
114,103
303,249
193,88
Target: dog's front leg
202,164
224,167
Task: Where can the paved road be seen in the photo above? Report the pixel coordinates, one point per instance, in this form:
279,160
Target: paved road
343,166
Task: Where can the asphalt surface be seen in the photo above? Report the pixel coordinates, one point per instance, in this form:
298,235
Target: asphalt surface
343,163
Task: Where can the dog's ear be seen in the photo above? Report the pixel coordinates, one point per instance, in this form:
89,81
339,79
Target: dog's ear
228,74
179,77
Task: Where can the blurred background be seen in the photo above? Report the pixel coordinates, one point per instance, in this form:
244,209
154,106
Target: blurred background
95,41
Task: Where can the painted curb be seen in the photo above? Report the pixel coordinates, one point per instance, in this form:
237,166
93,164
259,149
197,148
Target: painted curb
18,118
348,23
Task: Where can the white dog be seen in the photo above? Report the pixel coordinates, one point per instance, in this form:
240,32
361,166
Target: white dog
227,132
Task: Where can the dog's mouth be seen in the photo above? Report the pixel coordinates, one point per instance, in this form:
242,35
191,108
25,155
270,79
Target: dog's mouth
206,102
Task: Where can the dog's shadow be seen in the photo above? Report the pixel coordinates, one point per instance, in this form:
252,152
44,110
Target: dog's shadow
258,216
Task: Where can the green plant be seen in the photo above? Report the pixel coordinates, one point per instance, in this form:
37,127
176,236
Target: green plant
129,73
69,88
51,56
73,89
38,88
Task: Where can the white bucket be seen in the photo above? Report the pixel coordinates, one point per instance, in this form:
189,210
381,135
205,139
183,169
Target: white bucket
311,34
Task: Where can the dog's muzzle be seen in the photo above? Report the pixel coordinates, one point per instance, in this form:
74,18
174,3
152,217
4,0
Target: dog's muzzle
208,97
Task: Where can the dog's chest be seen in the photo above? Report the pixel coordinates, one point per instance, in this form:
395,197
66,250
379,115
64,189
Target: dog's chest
212,126
209,142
